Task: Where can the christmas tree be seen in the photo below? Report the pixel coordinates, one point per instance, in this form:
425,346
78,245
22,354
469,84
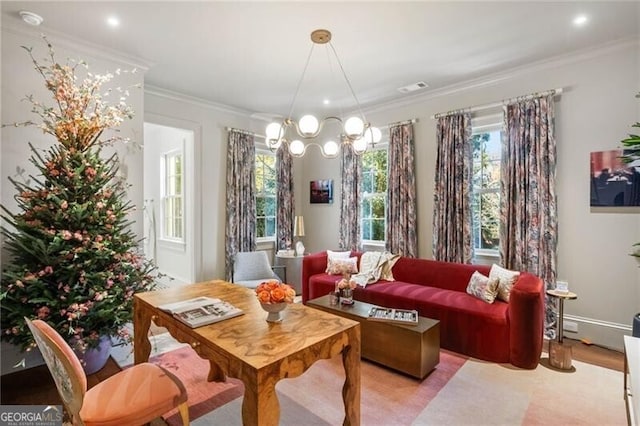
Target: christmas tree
74,259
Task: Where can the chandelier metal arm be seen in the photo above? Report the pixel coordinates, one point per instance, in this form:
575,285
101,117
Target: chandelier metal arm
304,72
344,74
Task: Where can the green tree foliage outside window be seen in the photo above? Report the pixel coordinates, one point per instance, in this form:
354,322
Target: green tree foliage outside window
374,190
486,190
265,177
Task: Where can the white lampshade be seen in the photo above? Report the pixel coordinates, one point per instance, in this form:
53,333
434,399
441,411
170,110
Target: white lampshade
273,131
359,145
372,135
296,148
354,126
330,149
308,125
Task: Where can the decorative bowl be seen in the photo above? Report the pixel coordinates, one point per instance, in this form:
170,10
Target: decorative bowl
274,310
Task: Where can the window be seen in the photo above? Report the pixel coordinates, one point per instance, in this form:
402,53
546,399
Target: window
265,195
487,149
172,198
374,195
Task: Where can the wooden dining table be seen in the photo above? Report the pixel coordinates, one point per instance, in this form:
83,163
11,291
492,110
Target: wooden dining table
258,352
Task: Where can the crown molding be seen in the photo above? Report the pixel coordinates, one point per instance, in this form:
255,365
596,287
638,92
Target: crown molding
15,26
495,78
193,100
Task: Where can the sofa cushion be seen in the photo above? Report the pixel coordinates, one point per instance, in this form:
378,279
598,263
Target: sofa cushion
483,287
506,280
340,266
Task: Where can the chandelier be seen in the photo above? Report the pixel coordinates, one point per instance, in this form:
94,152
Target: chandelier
355,131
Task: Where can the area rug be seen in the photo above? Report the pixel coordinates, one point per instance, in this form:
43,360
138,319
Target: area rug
460,391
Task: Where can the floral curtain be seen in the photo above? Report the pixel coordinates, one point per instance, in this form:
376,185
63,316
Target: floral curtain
240,230
452,220
284,198
528,215
350,238
401,234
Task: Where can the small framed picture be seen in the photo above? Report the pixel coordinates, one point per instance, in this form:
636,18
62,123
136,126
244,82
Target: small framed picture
321,191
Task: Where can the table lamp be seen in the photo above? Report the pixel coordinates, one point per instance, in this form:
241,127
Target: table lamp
298,231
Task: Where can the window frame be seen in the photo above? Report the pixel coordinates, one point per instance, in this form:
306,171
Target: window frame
368,242
166,158
266,152
479,125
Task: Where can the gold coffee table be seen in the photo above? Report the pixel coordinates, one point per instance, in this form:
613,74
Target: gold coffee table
411,349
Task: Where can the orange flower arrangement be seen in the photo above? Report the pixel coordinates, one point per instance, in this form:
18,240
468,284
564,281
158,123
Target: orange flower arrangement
273,291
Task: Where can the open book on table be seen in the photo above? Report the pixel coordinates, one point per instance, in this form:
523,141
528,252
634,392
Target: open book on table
201,311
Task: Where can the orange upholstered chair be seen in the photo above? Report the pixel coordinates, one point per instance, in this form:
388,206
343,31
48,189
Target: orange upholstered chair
133,396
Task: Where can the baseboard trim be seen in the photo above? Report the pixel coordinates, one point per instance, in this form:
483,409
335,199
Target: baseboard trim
599,323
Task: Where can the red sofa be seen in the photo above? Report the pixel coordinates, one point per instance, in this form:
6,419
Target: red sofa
499,332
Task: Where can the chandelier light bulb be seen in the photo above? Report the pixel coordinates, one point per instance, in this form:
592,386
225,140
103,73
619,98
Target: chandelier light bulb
359,146
273,130
308,125
372,135
330,149
354,126
296,148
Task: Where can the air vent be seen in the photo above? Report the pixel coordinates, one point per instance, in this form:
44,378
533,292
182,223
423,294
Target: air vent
413,87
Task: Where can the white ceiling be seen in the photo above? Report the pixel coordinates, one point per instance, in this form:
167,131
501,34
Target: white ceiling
250,55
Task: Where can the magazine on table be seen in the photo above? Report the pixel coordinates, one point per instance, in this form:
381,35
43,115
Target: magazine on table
403,316
201,311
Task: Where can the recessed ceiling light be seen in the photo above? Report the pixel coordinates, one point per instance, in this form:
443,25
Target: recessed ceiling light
113,21
326,102
580,20
31,18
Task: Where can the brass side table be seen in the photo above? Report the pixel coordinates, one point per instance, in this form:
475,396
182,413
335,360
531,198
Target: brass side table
559,353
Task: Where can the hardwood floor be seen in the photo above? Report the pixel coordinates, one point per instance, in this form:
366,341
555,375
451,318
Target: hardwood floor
35,385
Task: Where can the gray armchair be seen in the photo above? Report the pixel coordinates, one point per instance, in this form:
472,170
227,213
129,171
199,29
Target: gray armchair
250,268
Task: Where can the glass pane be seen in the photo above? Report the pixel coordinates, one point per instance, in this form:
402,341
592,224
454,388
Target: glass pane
178,161
377,206
260,222
178,183
366,207
177,228
490,220
378,230
260,206
366,229
271,227
270,206
367,180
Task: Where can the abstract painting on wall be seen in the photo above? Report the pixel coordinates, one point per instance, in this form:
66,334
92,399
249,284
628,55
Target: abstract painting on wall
321,191
614,183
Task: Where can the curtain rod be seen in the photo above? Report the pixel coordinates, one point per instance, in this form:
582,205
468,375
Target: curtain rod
246,132
497,104
400,123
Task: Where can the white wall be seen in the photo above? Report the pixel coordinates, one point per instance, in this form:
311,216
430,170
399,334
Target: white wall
594,113
20,79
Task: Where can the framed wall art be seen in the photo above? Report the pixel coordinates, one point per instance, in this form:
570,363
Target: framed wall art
614,183
321,191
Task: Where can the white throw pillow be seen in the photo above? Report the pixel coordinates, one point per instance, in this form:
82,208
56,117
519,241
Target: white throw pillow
338,254
506,280
483,287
